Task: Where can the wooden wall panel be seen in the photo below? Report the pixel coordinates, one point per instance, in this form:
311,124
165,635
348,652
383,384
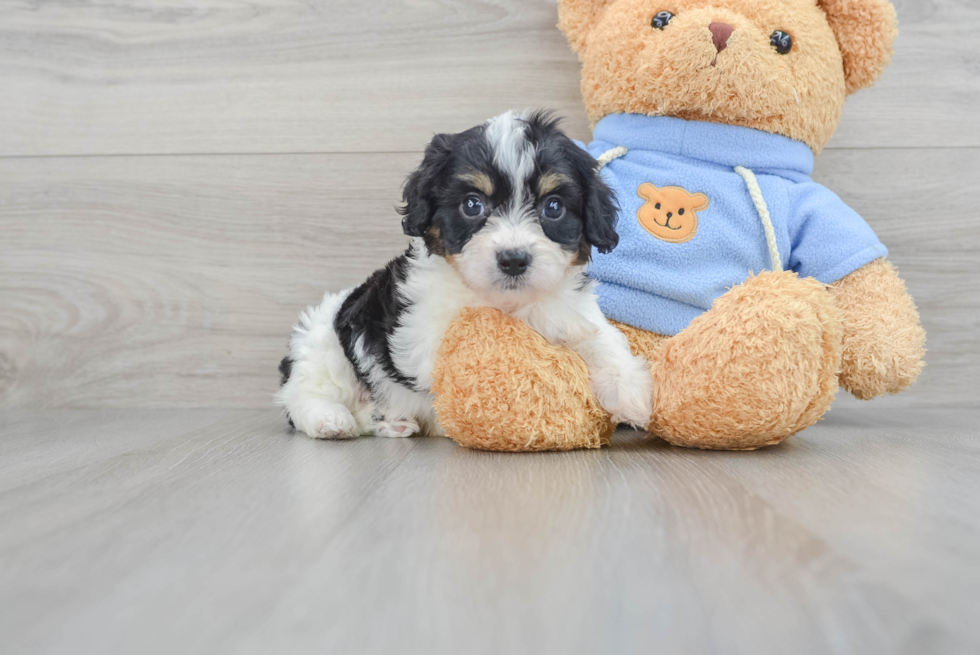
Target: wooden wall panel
214,76
177,179
162,281
173,281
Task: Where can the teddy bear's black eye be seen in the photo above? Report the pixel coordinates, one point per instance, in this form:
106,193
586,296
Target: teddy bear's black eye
661,19
782,41
658,205
681,212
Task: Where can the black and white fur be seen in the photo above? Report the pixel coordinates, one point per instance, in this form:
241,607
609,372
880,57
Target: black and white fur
504,215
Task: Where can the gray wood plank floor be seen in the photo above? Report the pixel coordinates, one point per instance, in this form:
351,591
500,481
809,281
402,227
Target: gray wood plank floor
215,531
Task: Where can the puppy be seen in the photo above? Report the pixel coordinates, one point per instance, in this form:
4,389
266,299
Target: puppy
504,215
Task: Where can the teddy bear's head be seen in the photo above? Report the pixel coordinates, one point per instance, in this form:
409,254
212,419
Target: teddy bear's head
783,66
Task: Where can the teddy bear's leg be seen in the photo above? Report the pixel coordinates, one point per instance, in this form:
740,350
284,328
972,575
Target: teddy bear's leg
757,367
500,385
884,344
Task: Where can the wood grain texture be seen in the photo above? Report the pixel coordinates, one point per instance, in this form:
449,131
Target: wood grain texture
220,76
919,203
174,281
203,531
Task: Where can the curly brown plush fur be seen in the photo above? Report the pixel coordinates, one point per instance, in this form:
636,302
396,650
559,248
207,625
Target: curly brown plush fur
500,386
765,361
839,47
884,345
760,366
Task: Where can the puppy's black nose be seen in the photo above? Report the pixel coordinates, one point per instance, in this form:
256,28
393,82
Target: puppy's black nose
513,262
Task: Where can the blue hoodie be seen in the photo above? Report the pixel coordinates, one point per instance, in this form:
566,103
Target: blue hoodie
661,286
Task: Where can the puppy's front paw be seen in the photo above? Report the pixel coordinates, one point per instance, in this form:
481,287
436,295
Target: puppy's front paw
396,429
627,393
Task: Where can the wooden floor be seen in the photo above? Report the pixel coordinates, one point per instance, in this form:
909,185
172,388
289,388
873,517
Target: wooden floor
218,531
179,178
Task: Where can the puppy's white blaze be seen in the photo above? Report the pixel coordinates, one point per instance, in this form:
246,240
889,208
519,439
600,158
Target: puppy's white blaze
512,153
516,226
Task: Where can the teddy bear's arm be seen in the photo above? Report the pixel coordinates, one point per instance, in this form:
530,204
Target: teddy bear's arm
884,343
499,385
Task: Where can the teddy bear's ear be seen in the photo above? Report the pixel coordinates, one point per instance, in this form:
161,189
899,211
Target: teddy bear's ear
865,31
647,191
576,18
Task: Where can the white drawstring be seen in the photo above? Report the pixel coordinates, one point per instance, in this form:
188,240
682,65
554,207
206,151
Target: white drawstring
609,155
753,185
760,206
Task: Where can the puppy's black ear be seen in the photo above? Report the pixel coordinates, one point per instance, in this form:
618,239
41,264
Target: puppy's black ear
419,193
600,209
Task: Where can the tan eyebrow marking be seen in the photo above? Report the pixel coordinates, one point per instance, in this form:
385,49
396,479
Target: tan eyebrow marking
550,182
479,180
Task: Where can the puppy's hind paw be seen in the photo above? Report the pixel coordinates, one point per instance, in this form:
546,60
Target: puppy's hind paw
327,421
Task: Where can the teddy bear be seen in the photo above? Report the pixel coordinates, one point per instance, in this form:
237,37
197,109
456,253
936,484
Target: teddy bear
753,292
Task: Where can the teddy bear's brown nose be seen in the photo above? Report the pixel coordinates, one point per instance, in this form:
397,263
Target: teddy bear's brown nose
720,33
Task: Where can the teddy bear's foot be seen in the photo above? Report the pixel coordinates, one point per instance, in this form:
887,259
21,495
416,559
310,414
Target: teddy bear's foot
500,385
758,367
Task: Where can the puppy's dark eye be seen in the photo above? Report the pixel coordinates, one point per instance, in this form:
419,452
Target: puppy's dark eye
554,208
472,207
782,41
661,19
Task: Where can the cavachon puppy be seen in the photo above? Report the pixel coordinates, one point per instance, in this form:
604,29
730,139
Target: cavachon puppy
504,215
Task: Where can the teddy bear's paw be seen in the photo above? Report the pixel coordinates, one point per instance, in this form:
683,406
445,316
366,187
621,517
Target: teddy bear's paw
758,367
625,390
884,343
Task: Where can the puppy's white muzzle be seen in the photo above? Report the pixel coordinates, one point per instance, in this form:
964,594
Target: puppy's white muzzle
512,257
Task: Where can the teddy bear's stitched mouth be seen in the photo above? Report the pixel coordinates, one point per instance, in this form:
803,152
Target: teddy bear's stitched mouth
667,225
